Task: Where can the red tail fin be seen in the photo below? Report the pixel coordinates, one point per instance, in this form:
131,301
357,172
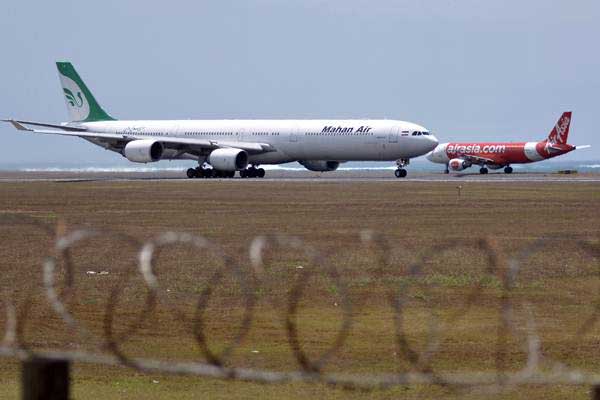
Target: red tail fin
560,132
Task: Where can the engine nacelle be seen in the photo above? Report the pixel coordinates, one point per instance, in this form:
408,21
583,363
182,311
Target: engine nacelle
458,164
320,165
228,159
143,151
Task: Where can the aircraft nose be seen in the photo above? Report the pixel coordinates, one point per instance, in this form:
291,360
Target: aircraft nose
433,142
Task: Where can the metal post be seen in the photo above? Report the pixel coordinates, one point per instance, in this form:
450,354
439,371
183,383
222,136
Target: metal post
45,379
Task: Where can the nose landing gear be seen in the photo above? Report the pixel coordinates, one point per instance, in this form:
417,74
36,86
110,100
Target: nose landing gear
508,169
400,172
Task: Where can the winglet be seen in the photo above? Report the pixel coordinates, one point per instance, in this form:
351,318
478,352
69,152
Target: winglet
583,146
17,125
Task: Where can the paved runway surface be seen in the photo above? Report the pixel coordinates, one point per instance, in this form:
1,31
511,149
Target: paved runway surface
299,176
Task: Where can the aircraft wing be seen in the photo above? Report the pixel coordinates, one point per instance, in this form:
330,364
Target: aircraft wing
479,160
119,140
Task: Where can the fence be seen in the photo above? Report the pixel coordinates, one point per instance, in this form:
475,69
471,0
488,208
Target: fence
46,373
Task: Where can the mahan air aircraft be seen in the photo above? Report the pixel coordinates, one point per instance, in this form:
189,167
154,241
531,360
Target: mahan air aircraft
222,147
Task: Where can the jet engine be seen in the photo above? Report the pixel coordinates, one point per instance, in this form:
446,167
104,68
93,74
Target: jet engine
228,159
320,165
143,151
458,164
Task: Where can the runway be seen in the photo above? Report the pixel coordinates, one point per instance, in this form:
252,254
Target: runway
299,176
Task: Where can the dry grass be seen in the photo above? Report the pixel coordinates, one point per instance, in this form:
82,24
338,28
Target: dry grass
561,283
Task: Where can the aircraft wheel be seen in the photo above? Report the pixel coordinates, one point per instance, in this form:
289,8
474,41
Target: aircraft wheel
446,171
508,170
400,173
243,173
191,173
260,172
483,170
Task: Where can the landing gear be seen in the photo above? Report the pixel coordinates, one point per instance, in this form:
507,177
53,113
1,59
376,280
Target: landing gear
483,170
401,163
201,172
400,173
508,170
252,172
191,173
447,170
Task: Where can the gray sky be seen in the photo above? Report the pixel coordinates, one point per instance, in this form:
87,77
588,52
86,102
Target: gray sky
467,70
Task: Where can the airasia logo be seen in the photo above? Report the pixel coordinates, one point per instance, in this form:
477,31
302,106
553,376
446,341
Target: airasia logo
475,148
561,128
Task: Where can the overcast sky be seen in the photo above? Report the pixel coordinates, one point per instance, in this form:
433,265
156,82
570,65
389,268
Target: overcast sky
467,70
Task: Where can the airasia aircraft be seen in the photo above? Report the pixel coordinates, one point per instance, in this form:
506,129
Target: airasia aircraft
496,155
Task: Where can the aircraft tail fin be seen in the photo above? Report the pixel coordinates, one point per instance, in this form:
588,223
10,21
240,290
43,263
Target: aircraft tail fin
81,104
560,132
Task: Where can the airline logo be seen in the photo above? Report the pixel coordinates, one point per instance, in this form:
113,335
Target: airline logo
561,130
72,100
345,129
79,109
475,149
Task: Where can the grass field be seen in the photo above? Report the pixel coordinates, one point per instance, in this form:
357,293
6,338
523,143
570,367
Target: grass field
560,283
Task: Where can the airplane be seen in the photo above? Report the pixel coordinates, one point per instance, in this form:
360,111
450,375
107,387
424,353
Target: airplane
496,155
222,147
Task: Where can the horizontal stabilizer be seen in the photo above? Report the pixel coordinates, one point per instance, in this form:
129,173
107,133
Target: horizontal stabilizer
19,125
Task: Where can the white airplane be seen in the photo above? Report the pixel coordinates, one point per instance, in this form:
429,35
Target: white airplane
227,146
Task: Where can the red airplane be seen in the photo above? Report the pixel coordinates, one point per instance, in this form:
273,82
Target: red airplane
495,155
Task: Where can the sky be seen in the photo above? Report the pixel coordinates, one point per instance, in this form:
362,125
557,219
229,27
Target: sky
466,70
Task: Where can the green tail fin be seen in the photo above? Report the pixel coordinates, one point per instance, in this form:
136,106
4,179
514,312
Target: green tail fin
81,104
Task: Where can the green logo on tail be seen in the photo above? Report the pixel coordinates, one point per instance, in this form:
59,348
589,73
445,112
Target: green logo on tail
72,99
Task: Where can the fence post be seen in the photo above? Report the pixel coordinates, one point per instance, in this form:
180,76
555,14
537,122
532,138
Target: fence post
45,379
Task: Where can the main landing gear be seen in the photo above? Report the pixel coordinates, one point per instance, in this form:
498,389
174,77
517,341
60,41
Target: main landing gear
483,170
252,172
508,169
201,172
400,172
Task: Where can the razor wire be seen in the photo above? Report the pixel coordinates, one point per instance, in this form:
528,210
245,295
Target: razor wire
537,368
